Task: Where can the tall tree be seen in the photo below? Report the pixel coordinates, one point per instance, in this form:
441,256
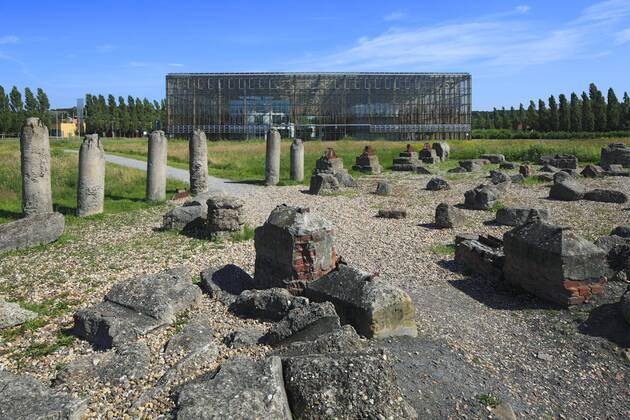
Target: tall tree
588,119
625,106
5,112
553,122
613,111
43,106
598,105
15,100
543,116
112,114
564,117
532,116
31,105
576,113
521,117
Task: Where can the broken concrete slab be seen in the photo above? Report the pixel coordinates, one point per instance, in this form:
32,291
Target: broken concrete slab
372,307
606,196
242,388
567,191
270,304
24,398
12,314
340,385
553,263
303,323
483,256
35,230
344,340
135,307
514,216
127,362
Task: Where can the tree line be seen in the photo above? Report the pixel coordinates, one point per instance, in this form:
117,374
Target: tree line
588,112
15,108
116,118
107,117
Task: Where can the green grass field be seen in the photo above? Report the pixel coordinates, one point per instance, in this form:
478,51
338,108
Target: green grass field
244,160
124,188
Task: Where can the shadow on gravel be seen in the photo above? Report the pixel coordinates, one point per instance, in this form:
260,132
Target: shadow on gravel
606,321
439,382
429,226
493,295
449,265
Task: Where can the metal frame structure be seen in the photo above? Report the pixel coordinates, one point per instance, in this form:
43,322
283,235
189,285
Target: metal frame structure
329,106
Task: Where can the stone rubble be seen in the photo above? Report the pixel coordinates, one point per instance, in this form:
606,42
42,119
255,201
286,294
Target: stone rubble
35,230
447,216
136,307
12,314
367,162
553,263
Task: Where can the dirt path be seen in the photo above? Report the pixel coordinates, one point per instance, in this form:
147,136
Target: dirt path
214,183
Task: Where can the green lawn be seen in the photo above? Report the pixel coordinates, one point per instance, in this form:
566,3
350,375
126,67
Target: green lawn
244,160
124,187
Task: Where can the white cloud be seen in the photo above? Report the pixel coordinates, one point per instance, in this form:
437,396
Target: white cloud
9,39
622,37
105,48
396,15
138,64
499,41
176,64
523,8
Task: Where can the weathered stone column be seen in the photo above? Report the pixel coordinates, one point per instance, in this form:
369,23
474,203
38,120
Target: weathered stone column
91,189
272,160
198,162
297,160
156,166
35,160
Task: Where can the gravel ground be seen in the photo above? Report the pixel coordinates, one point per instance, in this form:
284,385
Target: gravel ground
475,340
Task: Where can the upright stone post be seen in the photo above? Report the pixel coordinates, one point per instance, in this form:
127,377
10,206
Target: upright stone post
91,189
35,160
297,160
156,166
198,162
272,161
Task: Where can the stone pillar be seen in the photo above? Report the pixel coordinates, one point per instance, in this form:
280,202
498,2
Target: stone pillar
272,160
35,160
91,189
156,166
297,160
198,162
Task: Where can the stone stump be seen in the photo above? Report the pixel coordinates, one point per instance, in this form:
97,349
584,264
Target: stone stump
442,149
293,247
553,263
615,154
156,166
91,188
225,216
35,161
367,162
272,159
198,162
297,160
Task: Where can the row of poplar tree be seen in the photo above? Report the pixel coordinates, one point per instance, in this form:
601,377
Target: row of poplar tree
589,112
116,118
14,108
108,117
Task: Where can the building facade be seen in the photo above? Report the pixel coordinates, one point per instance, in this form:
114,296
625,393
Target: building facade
329,106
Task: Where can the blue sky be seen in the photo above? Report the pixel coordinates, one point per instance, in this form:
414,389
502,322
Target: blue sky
515,50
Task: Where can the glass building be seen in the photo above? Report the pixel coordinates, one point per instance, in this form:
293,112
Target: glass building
329,106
